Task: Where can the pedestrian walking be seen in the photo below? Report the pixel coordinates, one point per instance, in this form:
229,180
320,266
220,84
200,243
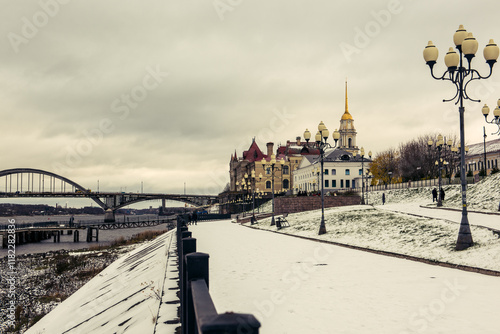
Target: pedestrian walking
434,195
195,218
383,198
441,194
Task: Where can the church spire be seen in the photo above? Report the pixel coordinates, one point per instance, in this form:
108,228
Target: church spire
346,114
346,104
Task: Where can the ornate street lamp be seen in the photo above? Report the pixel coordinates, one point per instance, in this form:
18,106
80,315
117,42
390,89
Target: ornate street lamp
461,76
439,163
496,114
272,164
321,139
250,184
363,173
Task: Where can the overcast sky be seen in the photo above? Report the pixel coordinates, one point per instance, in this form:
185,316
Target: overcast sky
163,92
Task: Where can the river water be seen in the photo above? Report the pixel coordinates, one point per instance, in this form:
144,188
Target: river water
106,237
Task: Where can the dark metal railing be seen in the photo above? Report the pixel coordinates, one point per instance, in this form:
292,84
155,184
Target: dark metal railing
198,312
213,216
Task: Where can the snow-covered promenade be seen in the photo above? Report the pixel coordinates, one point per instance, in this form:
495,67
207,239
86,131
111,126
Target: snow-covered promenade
291,285
294,285
135,294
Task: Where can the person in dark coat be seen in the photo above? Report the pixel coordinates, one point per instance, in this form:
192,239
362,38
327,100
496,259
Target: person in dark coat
383,198
434,195
441,194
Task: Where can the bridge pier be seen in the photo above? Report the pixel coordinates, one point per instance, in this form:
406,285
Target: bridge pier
162,207
109,216
57,236
90,233
76,236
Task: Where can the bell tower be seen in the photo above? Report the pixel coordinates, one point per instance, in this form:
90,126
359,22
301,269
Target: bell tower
347,131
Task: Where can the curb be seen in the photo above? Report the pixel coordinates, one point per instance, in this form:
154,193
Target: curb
459,210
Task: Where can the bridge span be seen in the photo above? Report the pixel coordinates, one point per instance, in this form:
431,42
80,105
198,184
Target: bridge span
30,182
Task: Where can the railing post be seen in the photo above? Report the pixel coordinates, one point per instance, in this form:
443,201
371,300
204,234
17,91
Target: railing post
188,247
196,268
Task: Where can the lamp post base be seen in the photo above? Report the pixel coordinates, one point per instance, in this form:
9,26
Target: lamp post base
272,221
322,227
464,239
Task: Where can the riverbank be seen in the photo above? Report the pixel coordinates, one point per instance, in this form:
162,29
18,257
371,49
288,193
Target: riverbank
44,280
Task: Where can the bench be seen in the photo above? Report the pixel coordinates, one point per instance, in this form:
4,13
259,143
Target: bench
282,222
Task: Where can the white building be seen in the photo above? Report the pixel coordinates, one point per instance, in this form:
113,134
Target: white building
342,171
475,158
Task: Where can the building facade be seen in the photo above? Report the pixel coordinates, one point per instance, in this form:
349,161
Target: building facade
248,174
342,171
475,157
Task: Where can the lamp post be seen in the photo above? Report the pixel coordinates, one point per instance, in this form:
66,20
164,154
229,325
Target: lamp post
484,152
363,173
321,142
461,76
439,144
272,165
369,175
250,182
496,116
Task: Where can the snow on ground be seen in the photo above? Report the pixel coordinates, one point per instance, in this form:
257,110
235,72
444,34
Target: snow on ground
483,196
294,285
135,294
374,228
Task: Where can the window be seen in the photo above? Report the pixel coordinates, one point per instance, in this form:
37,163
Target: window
285,170
341,183
268,184
360,172
354,183
286,184
347,183
334,183
350,142
326,184
347,172
326,171
334,172
268,170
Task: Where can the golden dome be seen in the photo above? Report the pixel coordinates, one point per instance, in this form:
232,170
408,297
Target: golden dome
346,116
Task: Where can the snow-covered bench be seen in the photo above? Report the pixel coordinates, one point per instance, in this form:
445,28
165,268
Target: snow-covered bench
282,222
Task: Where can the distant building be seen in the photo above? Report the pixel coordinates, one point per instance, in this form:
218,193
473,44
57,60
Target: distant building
474,159
342,171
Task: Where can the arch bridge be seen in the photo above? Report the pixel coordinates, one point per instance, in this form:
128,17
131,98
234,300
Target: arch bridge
30,182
